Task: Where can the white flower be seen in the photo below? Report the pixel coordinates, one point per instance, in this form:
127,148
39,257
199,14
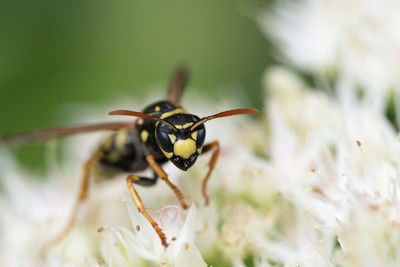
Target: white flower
359,40
33,211
337,164
144,241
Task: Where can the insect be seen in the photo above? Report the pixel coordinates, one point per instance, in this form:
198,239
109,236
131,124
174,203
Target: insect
163,132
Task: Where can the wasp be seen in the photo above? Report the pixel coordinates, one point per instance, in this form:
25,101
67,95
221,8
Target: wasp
164,131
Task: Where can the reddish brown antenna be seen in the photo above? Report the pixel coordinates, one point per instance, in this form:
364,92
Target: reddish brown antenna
227,113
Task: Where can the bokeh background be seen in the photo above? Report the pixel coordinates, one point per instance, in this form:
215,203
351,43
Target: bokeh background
90,52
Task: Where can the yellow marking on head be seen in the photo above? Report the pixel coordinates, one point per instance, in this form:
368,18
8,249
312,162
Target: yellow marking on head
172,112
185,148
186,125
168,155
140,121
199,150
172,137
144,135
194,135
157,108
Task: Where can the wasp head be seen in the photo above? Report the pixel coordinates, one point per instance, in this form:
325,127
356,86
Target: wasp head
180,136
181,144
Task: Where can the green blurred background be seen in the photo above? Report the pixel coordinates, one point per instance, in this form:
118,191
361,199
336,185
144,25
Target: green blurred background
55,52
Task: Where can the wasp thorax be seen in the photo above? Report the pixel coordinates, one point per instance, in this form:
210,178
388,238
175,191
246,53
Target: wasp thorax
181,145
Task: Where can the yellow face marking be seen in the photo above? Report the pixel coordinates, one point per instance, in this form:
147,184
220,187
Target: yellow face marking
172,112
144,135
157,108
199,150
186,125
194,135
185,148
172,137
140,121
168,155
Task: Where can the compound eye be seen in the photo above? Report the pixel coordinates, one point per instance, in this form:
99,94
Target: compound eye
165,139
200,134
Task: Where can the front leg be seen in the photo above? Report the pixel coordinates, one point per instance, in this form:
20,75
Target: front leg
141,208
163,175
211,164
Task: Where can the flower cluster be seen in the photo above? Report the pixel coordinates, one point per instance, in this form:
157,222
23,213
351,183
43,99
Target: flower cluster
357,41
314,181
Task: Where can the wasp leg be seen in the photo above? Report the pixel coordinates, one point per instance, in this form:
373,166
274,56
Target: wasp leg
144,181
83,192
161,173
211,164
139,204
